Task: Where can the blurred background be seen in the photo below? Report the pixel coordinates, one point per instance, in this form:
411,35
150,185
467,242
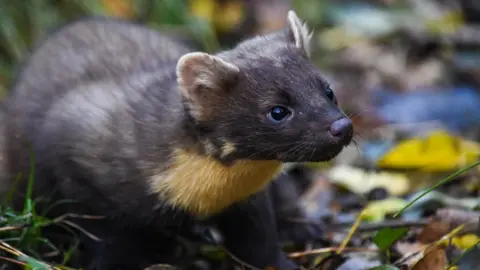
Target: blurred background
406,71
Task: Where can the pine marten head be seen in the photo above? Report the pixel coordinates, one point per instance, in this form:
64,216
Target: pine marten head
264,100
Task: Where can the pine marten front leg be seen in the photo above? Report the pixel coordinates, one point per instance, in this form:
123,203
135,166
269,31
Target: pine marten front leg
250,233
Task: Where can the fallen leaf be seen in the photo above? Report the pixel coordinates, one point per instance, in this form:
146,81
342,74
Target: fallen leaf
434,259
376,210
387,236
433,231
448,23
465,241
439,151
361,182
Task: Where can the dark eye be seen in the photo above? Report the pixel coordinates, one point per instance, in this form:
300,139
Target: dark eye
330,95
278,113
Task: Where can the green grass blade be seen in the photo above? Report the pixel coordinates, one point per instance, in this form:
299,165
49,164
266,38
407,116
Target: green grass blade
445,180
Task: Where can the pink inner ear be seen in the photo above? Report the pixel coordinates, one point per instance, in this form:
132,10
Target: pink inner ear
188,69
197,69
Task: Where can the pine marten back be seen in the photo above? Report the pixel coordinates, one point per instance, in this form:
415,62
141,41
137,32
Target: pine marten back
136,127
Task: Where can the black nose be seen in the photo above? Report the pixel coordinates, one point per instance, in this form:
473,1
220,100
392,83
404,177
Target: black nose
342,129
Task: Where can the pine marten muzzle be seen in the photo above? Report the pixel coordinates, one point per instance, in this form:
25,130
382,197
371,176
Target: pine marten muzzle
136,127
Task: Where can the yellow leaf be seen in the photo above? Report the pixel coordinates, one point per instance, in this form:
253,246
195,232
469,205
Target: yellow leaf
229,16
448,23
376,210
466,241
439,151
361,182
204,9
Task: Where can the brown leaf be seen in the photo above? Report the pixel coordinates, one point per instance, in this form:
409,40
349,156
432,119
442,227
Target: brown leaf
434,259
433,231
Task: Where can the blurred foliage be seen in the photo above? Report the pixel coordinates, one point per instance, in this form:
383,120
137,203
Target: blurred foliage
23,23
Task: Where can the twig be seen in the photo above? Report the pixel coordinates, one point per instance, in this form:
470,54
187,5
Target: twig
11,228
368,227
449,235
12,260
62,219
72,215
238,260
436,243
6,247
329,249
352,230
78,227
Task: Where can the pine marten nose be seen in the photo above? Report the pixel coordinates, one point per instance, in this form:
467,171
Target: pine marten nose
342,129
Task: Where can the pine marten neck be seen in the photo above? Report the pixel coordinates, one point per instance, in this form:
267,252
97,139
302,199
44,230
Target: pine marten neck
204,186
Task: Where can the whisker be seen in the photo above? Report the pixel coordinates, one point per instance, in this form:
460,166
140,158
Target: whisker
300,149
257,134
357,114
294,148
273,148
313,152
305,149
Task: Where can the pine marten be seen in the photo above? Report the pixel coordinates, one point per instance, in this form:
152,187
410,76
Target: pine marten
140,129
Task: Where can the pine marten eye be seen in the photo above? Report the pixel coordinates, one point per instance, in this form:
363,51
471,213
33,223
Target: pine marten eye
279,113
330,94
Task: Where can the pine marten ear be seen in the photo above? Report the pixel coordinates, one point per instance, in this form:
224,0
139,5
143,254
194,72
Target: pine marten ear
298,33
204,79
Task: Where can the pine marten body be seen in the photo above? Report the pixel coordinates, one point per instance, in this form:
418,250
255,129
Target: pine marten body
135,127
